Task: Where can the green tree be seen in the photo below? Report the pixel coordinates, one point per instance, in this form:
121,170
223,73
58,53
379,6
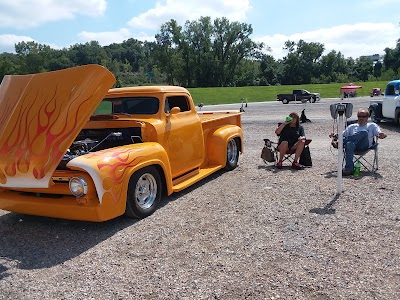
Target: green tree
292,69
88,53
197,50
388,75
166,51
59,60
269,70
9,64
300,65
391,59
232,44
205,53
377,69
330,67
363,68
34,57
249,74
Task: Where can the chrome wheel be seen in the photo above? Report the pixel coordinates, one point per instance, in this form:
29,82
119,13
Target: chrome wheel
146,191
232,151
232,155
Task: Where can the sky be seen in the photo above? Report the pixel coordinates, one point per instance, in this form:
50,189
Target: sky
353,27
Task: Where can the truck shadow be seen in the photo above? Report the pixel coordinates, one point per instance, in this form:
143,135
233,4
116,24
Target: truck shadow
177,195
389,126
33,242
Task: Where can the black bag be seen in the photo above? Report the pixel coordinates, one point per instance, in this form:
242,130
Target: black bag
267,154
305,157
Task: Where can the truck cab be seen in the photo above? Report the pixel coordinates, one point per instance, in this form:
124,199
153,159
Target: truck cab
171,114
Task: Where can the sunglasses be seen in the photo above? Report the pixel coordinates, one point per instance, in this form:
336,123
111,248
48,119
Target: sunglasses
362,116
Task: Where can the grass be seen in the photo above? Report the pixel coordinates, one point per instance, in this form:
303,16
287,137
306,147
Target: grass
210,96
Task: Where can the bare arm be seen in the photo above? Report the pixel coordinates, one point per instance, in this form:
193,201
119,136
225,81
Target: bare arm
378,132
280,128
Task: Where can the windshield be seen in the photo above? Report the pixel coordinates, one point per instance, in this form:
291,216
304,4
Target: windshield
128,105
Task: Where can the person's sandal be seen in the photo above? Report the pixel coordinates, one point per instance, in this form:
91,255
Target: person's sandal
297,166
279,164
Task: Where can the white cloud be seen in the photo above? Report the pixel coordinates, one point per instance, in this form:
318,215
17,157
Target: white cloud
183,10
106,37
27,13
109,37
8,41
351,40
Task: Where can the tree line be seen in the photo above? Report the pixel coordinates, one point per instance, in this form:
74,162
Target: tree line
204,53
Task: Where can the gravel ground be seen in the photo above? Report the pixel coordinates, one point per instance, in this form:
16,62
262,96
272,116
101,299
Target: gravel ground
252,233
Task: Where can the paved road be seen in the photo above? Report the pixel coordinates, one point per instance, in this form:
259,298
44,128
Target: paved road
275,110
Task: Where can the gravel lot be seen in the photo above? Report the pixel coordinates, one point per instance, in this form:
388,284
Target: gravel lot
253,233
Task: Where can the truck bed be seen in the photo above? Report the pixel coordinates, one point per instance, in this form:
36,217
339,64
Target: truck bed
225,117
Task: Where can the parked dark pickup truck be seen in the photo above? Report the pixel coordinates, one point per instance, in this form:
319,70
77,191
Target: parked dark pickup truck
298,95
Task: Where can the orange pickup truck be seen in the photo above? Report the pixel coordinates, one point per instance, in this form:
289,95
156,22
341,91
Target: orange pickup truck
72,148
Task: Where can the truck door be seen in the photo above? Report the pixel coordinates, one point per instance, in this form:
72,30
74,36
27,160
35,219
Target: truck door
389,104
296,95
183,135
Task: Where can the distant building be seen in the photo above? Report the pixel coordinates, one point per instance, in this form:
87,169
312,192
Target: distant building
374,58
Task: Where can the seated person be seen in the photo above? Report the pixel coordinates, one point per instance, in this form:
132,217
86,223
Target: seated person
291,136
358,137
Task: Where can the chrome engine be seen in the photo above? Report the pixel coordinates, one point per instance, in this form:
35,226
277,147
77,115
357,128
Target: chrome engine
84,146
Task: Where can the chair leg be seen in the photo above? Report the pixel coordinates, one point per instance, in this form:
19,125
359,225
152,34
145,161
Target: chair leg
370,167
276,155
288,157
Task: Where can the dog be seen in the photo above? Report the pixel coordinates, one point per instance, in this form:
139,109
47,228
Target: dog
303,118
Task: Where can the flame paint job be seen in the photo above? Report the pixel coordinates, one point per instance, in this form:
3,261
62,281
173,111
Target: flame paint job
42,114
111,169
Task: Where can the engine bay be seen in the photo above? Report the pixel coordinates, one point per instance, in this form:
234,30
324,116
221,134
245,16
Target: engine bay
91,140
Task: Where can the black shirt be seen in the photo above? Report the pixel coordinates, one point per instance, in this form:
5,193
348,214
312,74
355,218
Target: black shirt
291,134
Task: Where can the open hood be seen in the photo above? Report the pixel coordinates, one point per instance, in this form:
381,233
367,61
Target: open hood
40,116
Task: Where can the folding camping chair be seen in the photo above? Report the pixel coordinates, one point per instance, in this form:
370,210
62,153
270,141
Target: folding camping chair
368,158
272,147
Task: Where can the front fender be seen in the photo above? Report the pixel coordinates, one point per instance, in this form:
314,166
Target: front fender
217,143
112,168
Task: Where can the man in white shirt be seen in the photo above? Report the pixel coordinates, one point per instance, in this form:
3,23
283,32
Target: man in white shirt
358,137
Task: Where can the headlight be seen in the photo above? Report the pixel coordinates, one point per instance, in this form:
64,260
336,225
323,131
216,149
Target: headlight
78,186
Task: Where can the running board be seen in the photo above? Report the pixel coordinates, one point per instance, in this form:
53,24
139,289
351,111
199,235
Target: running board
193,177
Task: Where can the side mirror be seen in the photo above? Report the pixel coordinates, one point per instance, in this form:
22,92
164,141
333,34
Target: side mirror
175,110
